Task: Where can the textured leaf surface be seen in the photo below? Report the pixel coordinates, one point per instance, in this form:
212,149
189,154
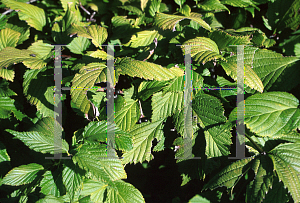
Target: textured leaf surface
41,137
229,175
285,157
127,115
166,105
98,34
211,117
143,135
8,38
272,114
98,131
203,49
144,38
94,158
79,45
33,15
166,21
146,70
224,39
38,88
22,175
86,78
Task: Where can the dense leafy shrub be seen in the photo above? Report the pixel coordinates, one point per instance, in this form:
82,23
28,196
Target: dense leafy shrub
149,87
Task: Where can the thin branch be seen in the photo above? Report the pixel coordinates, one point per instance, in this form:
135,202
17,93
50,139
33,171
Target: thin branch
11,10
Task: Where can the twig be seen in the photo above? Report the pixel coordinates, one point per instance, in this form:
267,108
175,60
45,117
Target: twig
11,10
142,114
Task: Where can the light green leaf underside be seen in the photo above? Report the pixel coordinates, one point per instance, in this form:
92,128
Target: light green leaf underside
166,105
285,157
79,45
98,54
210,112
33,15
143,135
22,175
146,70
8,38
229,175
7,74
203,49
25,32
41,50
94,158
10,56
97,34
166,21
86,78
272,114
143,38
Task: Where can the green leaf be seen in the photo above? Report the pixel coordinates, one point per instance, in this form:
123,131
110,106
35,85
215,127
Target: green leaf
212,5
259,187
22,175
98,34
251,78
229,175
25,32
123,192
10,55
283,14
143,134
129,113
51,184
41,137
146,70
143,38
166,105
223,39
272,114
198,199
51,199
41,50
72,179
118,192
94,158
239,3
132,9
166,21
148,88
8,38
7,105
4,157
33,15
79,45
86,78
203,49
97,131
285,157
211,117
38,86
